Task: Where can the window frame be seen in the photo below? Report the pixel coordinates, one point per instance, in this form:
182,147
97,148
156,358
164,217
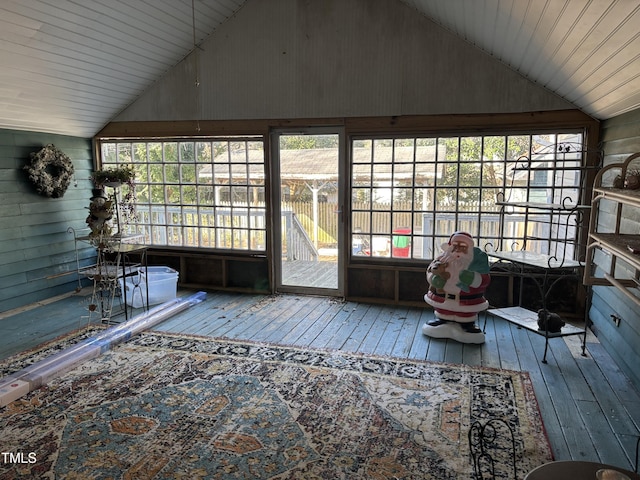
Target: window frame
235,221
435,239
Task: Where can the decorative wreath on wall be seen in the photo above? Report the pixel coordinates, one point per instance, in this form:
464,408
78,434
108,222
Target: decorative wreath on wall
50,171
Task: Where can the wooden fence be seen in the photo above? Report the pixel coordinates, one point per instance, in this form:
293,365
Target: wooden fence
376,218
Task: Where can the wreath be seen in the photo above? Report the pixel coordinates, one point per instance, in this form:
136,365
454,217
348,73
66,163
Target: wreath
50,171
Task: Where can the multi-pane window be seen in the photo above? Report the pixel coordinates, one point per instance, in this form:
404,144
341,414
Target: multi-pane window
197,193
408,195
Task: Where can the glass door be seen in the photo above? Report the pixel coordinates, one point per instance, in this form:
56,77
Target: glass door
307,193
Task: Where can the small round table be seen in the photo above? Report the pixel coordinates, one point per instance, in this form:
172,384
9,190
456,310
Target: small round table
574,470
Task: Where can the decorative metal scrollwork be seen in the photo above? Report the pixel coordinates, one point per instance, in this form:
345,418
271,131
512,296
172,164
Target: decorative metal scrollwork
488,450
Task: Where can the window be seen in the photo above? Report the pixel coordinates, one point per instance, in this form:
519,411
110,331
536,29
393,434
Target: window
198,193
409,194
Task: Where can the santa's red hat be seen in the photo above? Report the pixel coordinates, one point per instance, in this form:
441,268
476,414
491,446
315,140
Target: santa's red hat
461,237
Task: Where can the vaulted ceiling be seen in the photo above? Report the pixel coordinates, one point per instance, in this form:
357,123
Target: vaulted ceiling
70,66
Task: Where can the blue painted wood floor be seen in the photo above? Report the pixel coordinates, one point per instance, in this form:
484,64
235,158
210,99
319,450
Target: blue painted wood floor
590,409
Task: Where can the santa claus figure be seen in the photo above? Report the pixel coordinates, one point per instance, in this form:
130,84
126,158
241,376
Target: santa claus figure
457,281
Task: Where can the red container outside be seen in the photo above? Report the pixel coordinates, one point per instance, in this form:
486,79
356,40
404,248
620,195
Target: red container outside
401,242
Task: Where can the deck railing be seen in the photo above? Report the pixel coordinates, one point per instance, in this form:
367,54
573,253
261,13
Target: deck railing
297,244
238,227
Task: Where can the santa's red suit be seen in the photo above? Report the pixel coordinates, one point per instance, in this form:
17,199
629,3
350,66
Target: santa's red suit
457,279
464,306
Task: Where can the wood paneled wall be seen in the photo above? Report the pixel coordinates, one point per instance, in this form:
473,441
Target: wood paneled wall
37,255
304,59
621,137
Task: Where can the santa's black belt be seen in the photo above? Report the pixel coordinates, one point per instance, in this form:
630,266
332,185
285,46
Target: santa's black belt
451,296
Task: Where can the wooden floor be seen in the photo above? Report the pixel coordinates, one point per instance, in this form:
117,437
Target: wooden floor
590,409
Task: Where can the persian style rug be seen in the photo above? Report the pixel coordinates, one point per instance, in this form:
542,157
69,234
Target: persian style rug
165,406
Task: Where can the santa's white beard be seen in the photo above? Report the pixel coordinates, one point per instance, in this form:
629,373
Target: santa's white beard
456,263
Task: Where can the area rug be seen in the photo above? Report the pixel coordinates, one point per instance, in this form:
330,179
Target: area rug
165,406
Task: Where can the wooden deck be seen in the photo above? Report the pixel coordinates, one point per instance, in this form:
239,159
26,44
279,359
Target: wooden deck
321,274
590,409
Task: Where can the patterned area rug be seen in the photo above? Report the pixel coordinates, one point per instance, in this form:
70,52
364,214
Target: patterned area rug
167,406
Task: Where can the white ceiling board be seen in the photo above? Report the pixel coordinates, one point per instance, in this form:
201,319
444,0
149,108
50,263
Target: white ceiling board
586,51
70,66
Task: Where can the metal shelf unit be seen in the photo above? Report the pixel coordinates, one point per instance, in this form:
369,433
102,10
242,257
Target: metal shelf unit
615,239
